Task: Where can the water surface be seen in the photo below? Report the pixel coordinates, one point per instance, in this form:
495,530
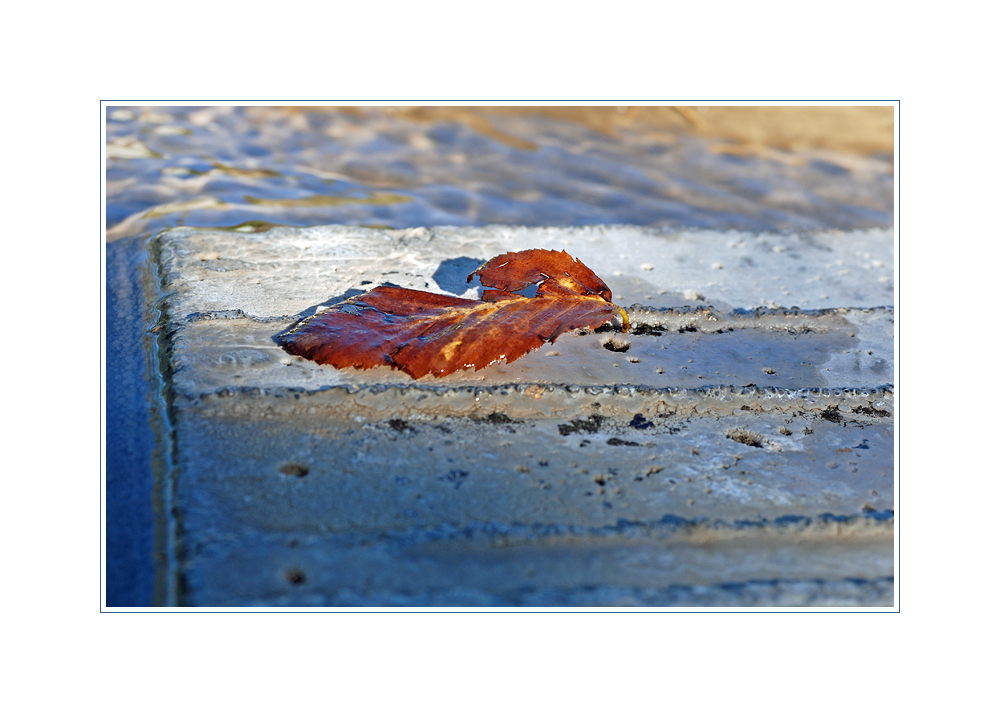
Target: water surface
244,167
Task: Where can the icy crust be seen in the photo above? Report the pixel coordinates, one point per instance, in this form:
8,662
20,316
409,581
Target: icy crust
784,349
228,296
529,401
285,271
707,319
643,318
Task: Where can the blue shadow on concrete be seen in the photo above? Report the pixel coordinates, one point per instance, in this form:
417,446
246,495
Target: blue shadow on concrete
130,439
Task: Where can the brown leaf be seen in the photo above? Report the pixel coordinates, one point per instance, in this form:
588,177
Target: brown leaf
557,273
426,333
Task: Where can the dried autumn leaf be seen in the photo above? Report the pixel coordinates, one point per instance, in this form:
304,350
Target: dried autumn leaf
426,333
554,272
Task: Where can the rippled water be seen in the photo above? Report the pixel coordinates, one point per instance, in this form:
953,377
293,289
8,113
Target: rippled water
248,167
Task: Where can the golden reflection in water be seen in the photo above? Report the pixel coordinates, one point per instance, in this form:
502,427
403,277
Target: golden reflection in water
244,172
211,203
200,203
376,198
128,148
861,130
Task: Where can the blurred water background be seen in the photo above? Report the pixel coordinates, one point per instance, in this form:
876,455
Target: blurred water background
760,169
250,168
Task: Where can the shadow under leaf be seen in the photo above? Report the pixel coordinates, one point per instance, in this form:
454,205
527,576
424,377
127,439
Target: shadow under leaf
451,275
310,311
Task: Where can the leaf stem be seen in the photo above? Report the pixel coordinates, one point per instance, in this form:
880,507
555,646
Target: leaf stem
624,318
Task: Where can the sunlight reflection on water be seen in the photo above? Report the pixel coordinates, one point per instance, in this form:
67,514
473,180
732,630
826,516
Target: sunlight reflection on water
254,166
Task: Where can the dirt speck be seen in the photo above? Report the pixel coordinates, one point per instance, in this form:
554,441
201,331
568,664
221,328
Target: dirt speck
589,425
296,470
617,344
399,425
746,437
832,413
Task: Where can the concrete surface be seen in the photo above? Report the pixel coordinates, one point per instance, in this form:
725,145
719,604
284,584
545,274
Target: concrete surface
739,453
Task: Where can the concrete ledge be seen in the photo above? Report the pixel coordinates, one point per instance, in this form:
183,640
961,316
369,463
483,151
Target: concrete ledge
740,453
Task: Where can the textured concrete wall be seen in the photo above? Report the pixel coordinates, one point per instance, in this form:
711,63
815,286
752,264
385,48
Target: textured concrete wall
739,453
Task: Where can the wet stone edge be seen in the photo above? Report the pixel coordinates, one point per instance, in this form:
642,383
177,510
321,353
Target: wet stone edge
669,529
542,400
708,320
